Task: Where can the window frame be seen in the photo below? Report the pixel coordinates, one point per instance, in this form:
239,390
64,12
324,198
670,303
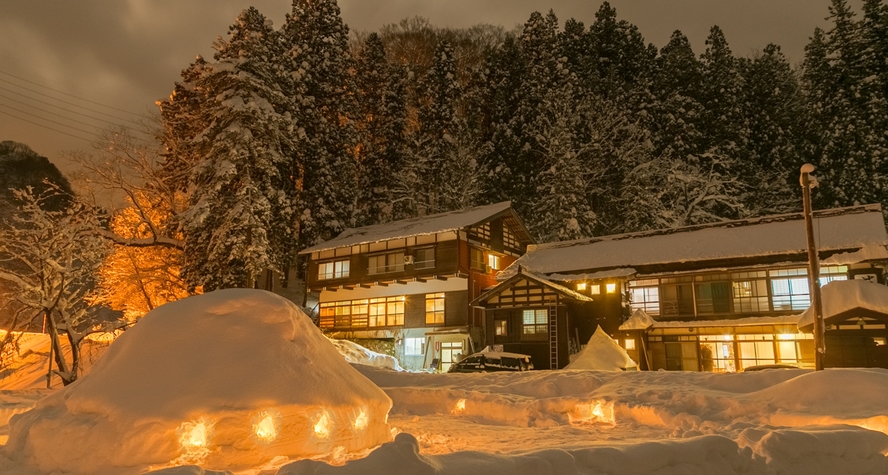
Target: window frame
437,315
338,269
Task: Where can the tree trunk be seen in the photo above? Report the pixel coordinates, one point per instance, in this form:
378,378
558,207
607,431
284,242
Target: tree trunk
64,373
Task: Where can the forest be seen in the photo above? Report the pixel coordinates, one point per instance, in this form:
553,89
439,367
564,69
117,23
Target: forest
287,136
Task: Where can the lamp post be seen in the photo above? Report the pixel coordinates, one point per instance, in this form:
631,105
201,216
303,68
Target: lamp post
808,182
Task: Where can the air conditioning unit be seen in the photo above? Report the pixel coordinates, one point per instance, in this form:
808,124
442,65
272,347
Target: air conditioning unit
408,259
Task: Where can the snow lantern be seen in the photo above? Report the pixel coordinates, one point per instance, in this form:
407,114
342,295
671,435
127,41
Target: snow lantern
228,379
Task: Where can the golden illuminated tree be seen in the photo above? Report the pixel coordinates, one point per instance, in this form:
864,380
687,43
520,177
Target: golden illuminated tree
137,279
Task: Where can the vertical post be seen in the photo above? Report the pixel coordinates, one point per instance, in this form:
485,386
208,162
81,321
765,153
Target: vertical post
813,266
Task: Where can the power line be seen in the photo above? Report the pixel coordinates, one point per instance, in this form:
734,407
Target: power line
62,108
66,102
45,127
52,121
68,94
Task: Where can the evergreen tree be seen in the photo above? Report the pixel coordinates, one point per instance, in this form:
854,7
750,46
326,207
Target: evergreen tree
322,89
238,222
382,122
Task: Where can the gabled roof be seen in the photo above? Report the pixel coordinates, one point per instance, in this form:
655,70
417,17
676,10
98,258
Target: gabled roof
532,276
838,229
432,224
840,297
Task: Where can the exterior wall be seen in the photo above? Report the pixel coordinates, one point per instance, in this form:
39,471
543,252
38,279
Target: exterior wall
516,342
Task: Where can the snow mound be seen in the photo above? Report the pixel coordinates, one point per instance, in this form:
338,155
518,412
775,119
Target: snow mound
228,379
866,394
357,354
639,320
602,353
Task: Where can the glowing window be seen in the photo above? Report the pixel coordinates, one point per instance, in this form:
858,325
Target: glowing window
493,261
413,346
581,286
435,308
629,344
333,270
595,289
501,327
611,288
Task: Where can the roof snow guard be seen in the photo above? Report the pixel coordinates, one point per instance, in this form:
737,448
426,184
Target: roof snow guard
424,225
840,229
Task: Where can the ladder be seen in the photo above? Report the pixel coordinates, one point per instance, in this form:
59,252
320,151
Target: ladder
553,337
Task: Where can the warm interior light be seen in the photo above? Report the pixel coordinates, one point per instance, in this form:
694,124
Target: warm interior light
611,287
581,286
361,421
460,406
194,437
322,427
592,412
265,429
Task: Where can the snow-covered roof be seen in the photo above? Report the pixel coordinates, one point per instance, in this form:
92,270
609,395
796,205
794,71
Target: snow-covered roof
729,322
835,230
840,296
436,223
536,277
605,274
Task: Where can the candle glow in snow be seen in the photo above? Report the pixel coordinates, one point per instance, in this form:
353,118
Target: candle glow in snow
195,379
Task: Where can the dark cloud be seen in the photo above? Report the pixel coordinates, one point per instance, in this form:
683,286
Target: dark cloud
128,53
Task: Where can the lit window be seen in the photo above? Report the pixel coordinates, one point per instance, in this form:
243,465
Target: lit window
629,344
581,286
535,323
595,289
333,270
435,309
646,298
611,288
493,261
500,327
386,311
413,346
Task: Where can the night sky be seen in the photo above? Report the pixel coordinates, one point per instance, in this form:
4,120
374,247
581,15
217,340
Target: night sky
127,54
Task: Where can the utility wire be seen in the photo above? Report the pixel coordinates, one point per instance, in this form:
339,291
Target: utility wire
52,121
68,102
68,94
45,127
62,108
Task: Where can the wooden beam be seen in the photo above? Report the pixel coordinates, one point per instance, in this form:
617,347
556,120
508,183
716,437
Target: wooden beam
331,289
347,287
399,281
440,277
364,286
420,279
381,284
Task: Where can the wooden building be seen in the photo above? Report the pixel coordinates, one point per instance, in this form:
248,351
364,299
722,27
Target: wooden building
715,297
408,283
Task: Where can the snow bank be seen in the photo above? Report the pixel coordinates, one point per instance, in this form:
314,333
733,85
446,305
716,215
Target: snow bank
357,354
602,353
228,379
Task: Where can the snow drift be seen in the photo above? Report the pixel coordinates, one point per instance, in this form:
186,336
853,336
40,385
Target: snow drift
228,379
602,353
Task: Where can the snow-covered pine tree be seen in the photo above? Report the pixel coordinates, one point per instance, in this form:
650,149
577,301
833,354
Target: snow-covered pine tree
773,109
322,91
720,95
847,134
381,122
676,115
239,219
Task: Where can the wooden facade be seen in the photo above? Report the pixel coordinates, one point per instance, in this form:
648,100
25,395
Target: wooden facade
410,282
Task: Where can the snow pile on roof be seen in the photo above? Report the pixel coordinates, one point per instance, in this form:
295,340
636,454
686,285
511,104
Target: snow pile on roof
604,274
639,320
840,296
436,223
842,229
357,354
602,353
229,379
870,252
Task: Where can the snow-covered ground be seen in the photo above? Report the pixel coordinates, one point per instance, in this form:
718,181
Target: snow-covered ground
538,422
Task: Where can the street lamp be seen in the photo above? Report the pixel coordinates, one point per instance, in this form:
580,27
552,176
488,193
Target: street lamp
808,182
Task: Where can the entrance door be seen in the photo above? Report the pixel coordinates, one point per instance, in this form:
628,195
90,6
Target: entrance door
449,351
